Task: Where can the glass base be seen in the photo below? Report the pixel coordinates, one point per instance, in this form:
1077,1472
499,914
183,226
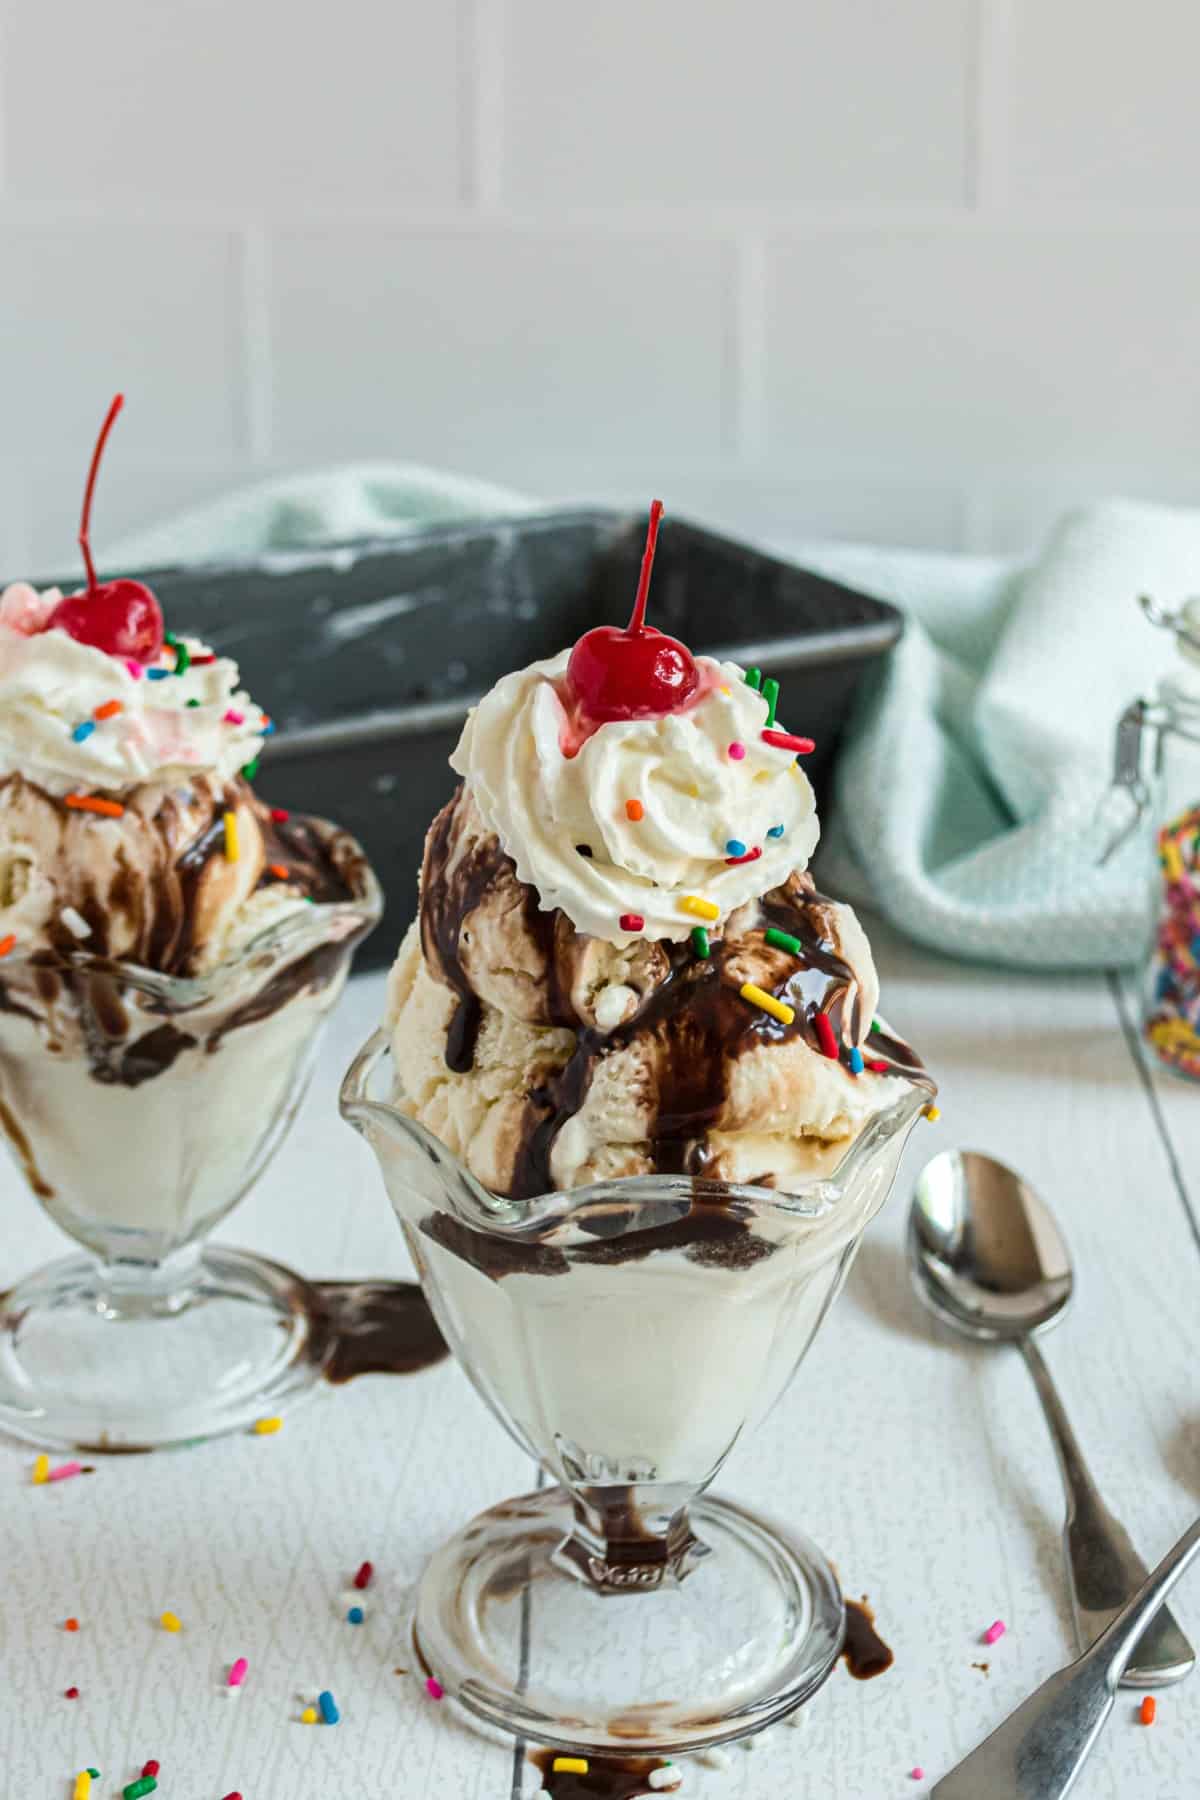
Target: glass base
97,1358
524,1643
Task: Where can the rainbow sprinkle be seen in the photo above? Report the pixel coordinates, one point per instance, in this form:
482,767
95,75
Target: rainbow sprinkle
631,922
784,740
778,1009
734,847
933,1114
770,693
783,940
109,710
328,1706
237,1673
635,811
83,1785
170,1622
825,1036
231,837
995,1632
753,679
65,1472
700,942
434,1688
267,1427
233,717
775,831
699,908
747,856
157,674
8,943
83,731
183,656
41,1470
309,1716
363,1578
569,1765
737,750
108,809
250,769
356,1615
856,1061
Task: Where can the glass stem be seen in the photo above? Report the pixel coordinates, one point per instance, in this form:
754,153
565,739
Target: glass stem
149,1290
630,1537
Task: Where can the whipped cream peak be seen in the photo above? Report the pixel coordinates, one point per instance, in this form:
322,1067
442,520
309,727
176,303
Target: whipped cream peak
644,817
147,723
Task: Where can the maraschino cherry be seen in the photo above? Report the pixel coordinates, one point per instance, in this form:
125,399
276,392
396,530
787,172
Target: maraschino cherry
122,617
638,673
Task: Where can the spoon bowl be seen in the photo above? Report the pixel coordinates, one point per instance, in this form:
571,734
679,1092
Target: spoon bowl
985,1252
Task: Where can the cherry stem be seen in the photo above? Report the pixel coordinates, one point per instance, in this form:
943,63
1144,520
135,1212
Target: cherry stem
85,520
637,623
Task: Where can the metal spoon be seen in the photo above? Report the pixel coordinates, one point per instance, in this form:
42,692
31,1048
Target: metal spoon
987,1257
1039,1749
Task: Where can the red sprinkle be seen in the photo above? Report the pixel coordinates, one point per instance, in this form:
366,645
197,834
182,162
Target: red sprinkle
750,856
280,814
1149,1709
151,1767
71,1625
234,1796
829,1043
279,870
72,1693
363,1578
199,661
783,740
878,1067
8,943
631,922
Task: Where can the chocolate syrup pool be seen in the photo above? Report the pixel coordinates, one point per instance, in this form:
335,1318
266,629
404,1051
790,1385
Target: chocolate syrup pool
375,1328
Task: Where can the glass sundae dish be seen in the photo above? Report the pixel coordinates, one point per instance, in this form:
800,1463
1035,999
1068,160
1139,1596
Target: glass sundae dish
634,1108
169,947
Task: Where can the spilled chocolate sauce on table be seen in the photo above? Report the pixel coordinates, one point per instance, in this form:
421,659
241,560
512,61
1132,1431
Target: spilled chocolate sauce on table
864,1653
376,1328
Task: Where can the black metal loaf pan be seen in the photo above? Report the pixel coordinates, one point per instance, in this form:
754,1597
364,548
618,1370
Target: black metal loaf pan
369,655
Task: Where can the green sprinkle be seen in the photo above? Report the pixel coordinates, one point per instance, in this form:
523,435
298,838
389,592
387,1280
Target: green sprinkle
250,769
770,693
700,941
783,941
193,703
753,678
136,1789
183,656
876,1026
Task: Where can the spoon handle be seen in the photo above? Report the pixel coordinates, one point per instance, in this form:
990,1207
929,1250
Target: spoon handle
1103,1567
1039,1749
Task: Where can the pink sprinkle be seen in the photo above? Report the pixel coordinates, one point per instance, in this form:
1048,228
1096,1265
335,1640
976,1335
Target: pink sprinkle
65,1471
434,1688
917,1774
234,1796
233,717
995,1631
135,668
238,1672
737,751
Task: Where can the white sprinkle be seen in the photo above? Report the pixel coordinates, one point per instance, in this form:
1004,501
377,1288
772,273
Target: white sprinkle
714,1757
75,922
664,1778
796,1718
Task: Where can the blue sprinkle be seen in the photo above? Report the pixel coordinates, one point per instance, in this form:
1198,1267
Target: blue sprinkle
157,674
856,1062
268,729
83,731
735,847
775,831
328,1706
355,1615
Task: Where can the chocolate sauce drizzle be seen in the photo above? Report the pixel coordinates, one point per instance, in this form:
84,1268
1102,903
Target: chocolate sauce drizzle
692,1018
157,914
376,1328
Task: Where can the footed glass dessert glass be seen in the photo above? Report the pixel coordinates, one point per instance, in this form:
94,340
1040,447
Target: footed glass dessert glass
140,1108
626,1334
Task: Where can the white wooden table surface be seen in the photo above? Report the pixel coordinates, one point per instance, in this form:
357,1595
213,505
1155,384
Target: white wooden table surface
920,1464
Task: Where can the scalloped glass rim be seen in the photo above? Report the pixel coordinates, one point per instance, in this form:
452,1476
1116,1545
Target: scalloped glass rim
475,1204
277,943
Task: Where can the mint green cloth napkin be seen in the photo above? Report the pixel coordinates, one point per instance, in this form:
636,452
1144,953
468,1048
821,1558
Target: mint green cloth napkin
972,781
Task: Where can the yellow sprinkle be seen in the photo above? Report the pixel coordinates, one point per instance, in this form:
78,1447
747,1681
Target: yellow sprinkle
933,1114
231,838
169,1622
694,793
41,1470
265,1427
309,1716
778,1009
569,1765
1172,861
83,1784
700,909
724,689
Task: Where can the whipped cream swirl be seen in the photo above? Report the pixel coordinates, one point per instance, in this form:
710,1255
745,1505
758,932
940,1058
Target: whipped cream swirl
166,727
566,820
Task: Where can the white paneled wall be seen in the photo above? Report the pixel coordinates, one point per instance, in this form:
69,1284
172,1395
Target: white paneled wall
914,273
